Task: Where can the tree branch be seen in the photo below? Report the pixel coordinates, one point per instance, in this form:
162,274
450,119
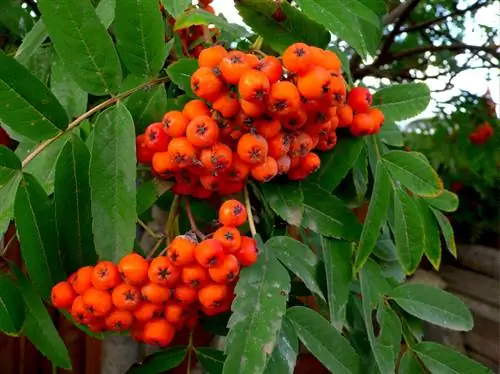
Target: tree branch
452,47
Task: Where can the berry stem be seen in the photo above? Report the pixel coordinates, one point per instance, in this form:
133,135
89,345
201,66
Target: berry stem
171,218
87,114
257,44
7,246
192,222
155,248
190,348
249,212
149,230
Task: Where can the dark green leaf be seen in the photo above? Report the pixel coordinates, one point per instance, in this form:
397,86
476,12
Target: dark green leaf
363,12
298,258
323,341
149,191
38,326
433,305
202,17
447,230
336,164
337,256
409,365
408,230
432,241
73,205
440,359
176,7
295,27
180,73
360,174
7,196
11,306
26,105
83,44
140,36
15,18
67,91
40,64
327,215
447,201
112,182
343,24
37,234
160,362
388,344
345,62
402,101
147,106
390,134
9,164
376,216
258,310
31,42
286,200
211,359
284,356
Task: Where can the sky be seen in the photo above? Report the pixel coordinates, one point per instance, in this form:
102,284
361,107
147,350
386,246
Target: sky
474,81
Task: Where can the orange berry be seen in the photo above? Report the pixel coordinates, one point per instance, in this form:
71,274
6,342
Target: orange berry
175,313
298,58
210,57
97,302
268,128
158,332
146,311
82,279
284,99
232,213
79,312
266,171
325,58
213,295
143,153
195,108
310,163
202,132
345,115
283,164
154,293
209,253
182,152
271,67
211,182
126,297
231,188
97,325
252,149
301,144
315,83
163,163
233,66
195,276
227,104
328,141
253,60
134,269
163,272
294,121
156,138
377,117
217,159
175,123
360,99
118,320
252,108
296,174
137,331
338,91
206,84
238,170
229,237
62,295
227,271
253,86
247,254
105,276
185,294
362,124
279,145
181,250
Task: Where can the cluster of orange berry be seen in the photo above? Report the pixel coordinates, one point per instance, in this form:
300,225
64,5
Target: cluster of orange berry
481,134
265,118
155,298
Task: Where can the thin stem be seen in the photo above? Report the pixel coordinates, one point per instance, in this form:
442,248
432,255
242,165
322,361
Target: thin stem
190,351
171,218
87,114
192,222
257,44
249,212
155,248
9,243
149,230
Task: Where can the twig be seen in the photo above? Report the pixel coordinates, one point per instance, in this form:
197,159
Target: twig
7,246
155,248
149,230
190,351
492,49
251,223
171,218
192,221
87,114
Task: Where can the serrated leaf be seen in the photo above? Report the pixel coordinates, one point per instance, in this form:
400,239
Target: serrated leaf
408,230
176,7
67,91
343,24
7,196
295,27
211,359
390,134
376,216
336,164
413,172
432,241
327,215
11,306
202,17
140,36
324,341
83,44
258,310
36,230
286,200
27,106
112,183
440,359
433,305
284,356
38,326
299,259
446,201
402,101
180,73
337,257
73,205
160,362
447,230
